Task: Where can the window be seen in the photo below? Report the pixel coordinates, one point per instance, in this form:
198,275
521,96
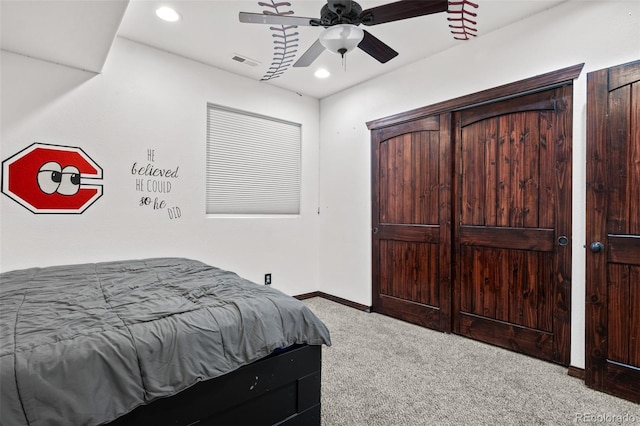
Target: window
253,163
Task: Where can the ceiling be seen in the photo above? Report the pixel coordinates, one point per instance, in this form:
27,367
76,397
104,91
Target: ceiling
80,34
73,33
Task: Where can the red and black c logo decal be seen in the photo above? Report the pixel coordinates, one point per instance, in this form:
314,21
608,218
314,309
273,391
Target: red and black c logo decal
52,179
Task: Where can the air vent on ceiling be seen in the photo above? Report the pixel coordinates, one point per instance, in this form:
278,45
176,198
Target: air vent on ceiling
245,60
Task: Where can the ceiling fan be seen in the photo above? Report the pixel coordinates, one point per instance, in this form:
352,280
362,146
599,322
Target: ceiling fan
341,20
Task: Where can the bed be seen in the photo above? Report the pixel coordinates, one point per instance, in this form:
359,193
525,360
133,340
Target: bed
154,341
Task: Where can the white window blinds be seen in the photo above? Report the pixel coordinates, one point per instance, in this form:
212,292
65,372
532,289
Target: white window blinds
253,163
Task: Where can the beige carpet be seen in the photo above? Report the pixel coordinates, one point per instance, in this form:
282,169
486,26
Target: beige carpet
381,371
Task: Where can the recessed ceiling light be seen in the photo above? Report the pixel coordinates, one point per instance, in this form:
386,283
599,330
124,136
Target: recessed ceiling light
322,73
168,14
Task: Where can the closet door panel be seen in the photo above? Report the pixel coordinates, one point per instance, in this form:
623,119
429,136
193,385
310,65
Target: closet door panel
513,234
411,221
613,220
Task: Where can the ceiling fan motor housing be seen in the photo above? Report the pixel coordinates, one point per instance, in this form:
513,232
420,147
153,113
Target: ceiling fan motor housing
340,12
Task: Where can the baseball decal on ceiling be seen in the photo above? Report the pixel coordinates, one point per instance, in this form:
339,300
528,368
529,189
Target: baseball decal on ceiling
47,178
285,40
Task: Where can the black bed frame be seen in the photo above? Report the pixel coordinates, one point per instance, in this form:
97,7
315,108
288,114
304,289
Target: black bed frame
281,389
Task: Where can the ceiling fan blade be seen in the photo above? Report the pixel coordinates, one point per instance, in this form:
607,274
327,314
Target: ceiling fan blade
310,55
264,18
402,10
376,48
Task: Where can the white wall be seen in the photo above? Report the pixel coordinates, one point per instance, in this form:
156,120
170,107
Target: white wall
148,99
598,33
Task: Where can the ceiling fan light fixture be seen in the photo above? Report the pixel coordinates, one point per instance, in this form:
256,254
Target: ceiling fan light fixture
342,38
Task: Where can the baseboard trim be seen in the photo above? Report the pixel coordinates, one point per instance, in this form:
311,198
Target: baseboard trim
308,295
576,372
333,298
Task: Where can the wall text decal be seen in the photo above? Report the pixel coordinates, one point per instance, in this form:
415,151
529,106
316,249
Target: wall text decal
158,182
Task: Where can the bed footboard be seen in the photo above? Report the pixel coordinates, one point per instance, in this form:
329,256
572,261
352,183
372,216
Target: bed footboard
282,389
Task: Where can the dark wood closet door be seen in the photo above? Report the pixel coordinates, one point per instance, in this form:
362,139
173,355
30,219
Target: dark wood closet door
513,233
411,175
613,221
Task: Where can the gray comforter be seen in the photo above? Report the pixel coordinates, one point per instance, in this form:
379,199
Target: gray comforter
84,344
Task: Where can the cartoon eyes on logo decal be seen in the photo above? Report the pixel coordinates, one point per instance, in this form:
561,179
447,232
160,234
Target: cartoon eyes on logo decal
53,178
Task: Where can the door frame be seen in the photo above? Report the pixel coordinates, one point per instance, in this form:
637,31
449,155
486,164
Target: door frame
511,90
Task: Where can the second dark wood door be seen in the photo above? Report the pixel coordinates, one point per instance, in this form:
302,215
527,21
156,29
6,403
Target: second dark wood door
513,227
613,220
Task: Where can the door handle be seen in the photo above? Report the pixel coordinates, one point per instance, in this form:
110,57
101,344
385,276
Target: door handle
596,247
563,240
375,230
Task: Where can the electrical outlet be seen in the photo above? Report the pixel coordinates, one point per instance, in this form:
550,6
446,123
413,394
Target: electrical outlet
267,279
